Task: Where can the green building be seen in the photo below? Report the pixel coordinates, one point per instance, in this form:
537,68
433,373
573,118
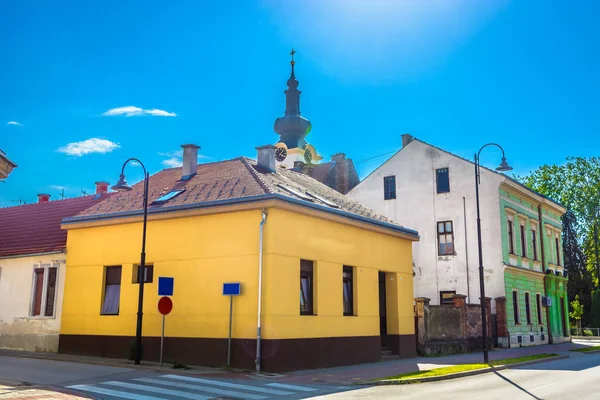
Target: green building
534,309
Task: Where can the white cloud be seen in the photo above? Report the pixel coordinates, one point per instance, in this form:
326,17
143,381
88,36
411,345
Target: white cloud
14,123
133,111
175,158
89,146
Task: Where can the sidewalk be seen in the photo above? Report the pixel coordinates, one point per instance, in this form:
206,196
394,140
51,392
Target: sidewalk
367,372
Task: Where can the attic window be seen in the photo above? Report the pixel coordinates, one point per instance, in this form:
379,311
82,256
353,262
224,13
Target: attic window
323,200
166,197
295,192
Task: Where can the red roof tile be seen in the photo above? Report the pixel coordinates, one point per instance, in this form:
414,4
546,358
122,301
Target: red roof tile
230,180
35,228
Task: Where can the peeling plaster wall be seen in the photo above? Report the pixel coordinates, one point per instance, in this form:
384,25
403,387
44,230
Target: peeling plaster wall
18,330
419,206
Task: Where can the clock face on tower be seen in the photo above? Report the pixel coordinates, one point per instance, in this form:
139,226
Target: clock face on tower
307,156
280,154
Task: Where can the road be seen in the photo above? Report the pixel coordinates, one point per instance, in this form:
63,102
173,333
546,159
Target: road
575,378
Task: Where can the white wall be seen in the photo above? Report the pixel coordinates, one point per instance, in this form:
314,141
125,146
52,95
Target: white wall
18,329
418,206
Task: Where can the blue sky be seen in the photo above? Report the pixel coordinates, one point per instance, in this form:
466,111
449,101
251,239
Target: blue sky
456,74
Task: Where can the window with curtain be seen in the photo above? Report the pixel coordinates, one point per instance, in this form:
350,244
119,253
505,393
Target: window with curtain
306,287
348,279
44,291
112,291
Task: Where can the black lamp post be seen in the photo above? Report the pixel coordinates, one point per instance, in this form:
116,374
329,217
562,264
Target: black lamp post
122,186
502,167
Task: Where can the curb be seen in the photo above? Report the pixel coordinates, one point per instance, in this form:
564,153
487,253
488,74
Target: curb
460,374
586,352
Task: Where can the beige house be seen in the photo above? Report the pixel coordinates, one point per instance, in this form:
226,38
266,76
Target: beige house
6,166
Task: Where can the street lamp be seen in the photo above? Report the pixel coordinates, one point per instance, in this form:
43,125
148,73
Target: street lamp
122,186
502,167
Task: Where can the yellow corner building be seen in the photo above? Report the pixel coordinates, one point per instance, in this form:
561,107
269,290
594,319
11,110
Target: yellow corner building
328,281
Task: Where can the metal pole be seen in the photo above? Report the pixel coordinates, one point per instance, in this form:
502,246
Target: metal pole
260,266
230,323
162,340
596,252
141,273
481,272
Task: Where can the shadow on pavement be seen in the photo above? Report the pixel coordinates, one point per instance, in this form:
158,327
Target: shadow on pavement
499,375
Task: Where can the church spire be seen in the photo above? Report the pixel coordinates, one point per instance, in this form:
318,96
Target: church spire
292,94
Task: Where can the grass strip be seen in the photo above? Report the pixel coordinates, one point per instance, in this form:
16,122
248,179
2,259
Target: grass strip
467,367
586,349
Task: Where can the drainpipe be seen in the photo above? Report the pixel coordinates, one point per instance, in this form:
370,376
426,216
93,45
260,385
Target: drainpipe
466,250
541,229
260,265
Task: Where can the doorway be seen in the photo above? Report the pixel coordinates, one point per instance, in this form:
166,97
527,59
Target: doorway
382,306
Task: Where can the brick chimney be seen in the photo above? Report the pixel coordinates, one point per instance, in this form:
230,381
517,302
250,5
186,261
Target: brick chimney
101,187
266,157
298,165
43,198
406,139
190,161
338,157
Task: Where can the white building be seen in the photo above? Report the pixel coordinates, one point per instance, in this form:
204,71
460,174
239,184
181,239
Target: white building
32,270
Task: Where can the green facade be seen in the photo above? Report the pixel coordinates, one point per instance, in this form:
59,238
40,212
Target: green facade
524,271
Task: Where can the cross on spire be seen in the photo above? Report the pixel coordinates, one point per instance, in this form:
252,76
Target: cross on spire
292,54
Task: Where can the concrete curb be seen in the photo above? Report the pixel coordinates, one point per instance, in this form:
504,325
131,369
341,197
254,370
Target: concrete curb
460,374
586,352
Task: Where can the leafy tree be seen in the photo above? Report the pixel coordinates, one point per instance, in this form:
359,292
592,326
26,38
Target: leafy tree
577,312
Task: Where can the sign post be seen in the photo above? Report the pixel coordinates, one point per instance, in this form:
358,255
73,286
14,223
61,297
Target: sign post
165,305
231,289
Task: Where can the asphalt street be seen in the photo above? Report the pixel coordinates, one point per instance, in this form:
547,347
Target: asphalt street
577,377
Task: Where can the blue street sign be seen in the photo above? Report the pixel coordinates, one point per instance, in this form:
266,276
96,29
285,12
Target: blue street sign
232,289
165,286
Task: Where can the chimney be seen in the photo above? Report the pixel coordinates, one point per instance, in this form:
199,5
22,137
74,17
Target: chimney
43,198
266,157
338,157
406,139
190,161
298,165
101,187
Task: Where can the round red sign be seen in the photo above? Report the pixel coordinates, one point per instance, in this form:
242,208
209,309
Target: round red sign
165,305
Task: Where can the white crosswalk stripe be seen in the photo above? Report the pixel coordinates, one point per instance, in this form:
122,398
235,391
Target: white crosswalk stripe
227,384
202,388
171,387
114,393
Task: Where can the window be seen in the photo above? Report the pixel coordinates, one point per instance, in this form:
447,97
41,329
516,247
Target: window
516,307
527,308
445,238
44,291
442,179
511,241
534,244
166,197
538,298
523,242
306,287
389,187
447,296
112,291
557,244
348,278
148,274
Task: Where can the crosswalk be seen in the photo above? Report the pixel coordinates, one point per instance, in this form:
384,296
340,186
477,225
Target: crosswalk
188,387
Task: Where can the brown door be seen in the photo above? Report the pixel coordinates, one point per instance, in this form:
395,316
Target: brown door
39,289
382,315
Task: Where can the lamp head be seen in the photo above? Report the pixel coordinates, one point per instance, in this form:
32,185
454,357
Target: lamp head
121,185
504,166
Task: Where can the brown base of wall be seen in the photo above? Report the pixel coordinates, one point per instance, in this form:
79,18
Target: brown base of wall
404,346
277,355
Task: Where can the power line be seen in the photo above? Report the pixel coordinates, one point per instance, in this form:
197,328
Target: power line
379,156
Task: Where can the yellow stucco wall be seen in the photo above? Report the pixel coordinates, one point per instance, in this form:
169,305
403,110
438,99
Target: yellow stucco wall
202,252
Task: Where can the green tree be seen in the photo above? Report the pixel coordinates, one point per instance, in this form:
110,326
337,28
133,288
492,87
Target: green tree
577,312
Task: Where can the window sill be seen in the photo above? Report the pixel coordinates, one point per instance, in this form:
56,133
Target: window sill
350,315
109,315
308,315
41,317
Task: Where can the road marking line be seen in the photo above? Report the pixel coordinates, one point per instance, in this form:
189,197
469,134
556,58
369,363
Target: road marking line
114,393
543,386
202,388
227,384
157,390
292,387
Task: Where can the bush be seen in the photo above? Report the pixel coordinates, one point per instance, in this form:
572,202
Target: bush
588,332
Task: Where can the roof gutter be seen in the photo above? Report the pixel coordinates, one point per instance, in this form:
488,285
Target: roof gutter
243,200
43,253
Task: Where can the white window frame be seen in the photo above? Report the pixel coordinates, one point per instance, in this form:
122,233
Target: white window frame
46,267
